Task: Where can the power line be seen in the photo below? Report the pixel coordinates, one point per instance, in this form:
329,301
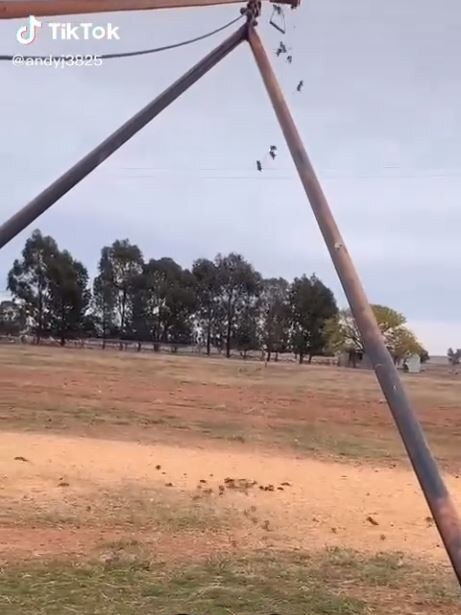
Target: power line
272,174
130,54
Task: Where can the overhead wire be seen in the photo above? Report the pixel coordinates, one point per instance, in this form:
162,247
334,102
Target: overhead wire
272,174
129,54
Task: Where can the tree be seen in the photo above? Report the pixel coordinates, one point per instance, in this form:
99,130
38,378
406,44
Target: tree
424,355
312,305
335,338
28,280
164,302
206,275
140,326
68,296
275,316
179,301
122,263
401,342
245,336
239,286
454,357
389,322
104,297
51,288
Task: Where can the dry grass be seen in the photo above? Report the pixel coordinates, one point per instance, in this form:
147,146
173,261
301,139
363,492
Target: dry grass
123,508
142,547
334,582
312,410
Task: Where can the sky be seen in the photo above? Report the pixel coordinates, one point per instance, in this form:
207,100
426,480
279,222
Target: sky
379,113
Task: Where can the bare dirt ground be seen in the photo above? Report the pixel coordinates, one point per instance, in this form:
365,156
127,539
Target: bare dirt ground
192,459
272,500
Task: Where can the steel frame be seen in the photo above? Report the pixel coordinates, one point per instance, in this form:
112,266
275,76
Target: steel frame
12,9
424,465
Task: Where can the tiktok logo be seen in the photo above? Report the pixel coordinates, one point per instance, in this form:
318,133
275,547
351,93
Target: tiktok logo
27,34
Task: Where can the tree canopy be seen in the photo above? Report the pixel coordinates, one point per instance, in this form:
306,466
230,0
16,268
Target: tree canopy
343,333
222,303
454,356
312,305
50,288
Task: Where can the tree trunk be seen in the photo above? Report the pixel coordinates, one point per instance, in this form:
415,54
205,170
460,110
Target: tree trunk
63,333
276,356
139,346
104,333
268,356
301,358
208,339
40,310
122,317
228,337
310,359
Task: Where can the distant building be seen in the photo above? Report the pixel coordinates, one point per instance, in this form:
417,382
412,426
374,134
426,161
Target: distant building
412,365
360,360
354,358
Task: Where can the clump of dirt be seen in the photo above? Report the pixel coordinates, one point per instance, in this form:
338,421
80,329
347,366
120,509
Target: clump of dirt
240,484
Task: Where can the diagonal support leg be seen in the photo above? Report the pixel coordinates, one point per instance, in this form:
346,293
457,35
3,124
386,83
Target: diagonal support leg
81,169
424,465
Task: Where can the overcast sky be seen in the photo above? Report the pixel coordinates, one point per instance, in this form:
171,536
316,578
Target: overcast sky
380,114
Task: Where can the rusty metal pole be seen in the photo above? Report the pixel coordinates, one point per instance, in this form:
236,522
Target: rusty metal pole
14,9
424,465
81,169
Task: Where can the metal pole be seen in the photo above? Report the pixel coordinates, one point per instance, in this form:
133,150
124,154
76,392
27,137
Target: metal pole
81,169
425,467
14,9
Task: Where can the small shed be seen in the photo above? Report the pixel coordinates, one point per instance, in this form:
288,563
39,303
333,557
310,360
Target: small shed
354,358
412,365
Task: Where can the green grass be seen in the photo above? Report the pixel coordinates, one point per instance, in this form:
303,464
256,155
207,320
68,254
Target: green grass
129,583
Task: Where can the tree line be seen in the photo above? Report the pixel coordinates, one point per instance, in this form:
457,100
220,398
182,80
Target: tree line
223,303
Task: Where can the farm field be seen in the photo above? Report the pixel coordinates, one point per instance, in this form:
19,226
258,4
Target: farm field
156,483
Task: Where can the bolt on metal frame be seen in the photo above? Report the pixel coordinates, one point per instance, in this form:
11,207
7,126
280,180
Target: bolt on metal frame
424,465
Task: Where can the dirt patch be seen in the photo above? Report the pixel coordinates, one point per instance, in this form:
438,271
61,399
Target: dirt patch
271,501
175,481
